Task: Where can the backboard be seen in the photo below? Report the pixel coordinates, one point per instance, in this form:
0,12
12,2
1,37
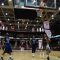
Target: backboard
35,3
40,3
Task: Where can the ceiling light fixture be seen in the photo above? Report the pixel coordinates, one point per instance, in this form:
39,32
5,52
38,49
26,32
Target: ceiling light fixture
40,15
59,8
8,19
2,4
18,22
34,25
25,28
10,0
26,25
52,16
37,21
6,13
27,22
10,24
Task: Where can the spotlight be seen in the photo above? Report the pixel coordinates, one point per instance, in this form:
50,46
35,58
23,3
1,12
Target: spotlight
6,13
37,21
18,22
2,4
10,0
27,22
10,24
8,19
25,28
59,8
34,25
40,15
26,25
52,16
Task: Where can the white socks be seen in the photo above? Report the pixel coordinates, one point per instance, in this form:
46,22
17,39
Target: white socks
33,54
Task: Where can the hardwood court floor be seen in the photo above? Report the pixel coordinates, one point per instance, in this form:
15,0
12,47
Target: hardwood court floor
27,55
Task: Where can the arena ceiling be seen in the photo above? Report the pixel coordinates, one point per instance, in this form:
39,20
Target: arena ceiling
20,17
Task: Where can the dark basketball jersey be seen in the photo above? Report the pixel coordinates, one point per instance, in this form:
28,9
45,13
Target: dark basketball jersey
45,1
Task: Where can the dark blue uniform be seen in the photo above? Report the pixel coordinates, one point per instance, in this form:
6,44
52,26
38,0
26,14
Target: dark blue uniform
7,46
34,45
